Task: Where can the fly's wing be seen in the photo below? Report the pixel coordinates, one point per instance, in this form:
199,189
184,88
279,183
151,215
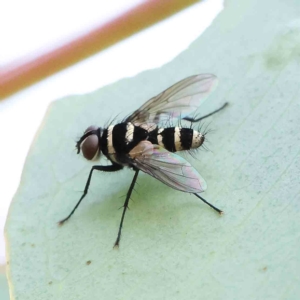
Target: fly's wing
167,167
179,100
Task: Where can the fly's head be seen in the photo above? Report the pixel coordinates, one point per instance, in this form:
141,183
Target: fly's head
90,143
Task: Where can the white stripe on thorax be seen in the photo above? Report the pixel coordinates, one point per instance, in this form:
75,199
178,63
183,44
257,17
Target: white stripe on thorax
110,146
177,141
129,132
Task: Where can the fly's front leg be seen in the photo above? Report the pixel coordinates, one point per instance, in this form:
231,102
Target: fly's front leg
111,168
208,115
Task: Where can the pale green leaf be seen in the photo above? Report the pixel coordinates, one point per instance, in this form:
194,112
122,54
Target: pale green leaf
173,246
3,284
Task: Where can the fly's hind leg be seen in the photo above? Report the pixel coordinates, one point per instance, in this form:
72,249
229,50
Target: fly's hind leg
111,168
209,204
208,115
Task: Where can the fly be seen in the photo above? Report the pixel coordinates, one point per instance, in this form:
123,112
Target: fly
142,143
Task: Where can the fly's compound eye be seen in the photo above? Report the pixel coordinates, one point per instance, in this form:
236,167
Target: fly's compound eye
90,146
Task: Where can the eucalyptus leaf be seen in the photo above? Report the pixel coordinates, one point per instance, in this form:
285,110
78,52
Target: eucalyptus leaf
3,284
173,246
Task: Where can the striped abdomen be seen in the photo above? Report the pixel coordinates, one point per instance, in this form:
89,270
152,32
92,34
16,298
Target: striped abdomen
123,137
176,138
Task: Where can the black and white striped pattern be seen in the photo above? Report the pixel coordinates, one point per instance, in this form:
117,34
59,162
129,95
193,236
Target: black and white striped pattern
176,138
123,137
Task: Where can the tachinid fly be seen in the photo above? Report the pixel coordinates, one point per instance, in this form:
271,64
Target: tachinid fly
142,143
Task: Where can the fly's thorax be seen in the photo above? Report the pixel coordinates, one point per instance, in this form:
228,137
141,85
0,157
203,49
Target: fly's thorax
122,137
89,143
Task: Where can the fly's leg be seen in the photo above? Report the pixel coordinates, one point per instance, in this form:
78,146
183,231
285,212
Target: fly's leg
208,115
111,168
125,207
215,208
197,120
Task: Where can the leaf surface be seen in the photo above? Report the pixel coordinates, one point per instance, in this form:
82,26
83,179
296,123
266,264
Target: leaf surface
173,246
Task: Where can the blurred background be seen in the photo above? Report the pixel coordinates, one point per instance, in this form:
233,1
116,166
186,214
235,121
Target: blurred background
29,28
